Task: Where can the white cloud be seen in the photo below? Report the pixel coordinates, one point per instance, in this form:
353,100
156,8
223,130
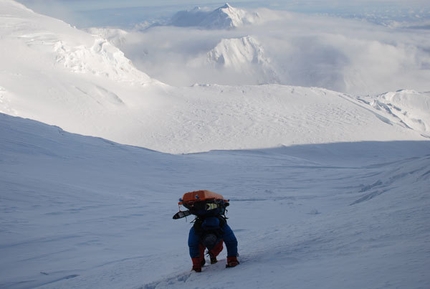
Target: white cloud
347,55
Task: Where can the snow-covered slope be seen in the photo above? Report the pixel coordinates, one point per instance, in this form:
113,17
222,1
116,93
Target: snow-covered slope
234,52
83,212
51,42
59,75
225,17
406,106
115,36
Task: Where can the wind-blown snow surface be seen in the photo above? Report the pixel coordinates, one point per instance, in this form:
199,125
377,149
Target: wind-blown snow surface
82,212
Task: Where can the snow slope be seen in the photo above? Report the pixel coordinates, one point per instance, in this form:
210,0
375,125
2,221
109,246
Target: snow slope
85,85
409,107
61,75
83,212
48,41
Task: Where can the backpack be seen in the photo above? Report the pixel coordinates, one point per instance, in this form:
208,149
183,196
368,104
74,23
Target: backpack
202,203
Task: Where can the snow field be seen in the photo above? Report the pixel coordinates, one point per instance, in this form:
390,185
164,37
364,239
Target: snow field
81,212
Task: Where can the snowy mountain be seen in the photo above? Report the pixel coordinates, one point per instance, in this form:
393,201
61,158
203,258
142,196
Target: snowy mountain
225,17
58,44
244,57
59,74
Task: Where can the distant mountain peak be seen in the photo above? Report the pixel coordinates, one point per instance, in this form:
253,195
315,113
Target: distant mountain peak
239,56
224,17
234,51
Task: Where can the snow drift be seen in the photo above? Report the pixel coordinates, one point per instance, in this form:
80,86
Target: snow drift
409,107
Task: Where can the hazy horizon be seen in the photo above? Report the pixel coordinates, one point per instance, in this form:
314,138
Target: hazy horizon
87,13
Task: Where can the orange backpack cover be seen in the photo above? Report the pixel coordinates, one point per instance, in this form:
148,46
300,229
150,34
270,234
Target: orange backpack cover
202,203
200,196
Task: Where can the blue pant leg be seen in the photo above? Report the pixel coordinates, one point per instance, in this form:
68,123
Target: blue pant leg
230,241
193,243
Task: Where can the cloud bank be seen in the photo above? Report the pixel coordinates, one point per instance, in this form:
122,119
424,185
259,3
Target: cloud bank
346,55
326,45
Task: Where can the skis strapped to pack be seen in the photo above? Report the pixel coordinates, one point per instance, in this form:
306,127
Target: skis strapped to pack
181,214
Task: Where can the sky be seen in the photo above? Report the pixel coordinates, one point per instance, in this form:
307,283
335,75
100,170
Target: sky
86,11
